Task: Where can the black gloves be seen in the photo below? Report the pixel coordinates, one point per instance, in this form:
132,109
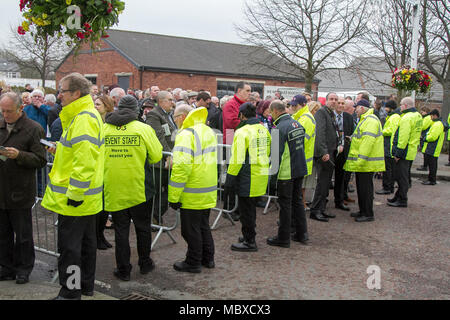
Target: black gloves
175,206
74,203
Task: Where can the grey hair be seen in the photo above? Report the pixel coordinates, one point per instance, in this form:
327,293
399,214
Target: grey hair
162,95
117,92
183,108
14,97
77,82
408,101
50,98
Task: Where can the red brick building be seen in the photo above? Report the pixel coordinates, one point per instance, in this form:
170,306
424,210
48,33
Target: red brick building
139,60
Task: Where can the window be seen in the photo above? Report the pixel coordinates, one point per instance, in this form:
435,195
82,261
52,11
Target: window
93,80
13,75
229,88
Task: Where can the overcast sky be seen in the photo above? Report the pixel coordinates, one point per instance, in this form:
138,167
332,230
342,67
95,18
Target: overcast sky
201,19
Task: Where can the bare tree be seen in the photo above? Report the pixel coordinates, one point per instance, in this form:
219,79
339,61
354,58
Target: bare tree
436,45
310,35
387,43
39,52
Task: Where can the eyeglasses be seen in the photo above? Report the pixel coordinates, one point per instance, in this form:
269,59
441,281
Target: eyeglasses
63,91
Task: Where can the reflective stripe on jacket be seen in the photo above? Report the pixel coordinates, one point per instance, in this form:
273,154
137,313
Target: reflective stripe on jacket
250,159
193,181
434,139
130,149
407,136
77,171
306,119
366,150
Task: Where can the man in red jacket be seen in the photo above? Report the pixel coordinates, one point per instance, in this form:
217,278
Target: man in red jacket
231,111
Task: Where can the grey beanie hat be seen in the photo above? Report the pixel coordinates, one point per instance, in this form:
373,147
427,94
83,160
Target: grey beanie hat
128,102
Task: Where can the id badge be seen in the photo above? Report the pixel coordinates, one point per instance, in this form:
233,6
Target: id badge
166,129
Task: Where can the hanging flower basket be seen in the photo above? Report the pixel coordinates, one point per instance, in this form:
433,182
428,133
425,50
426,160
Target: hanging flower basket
411,79
82,21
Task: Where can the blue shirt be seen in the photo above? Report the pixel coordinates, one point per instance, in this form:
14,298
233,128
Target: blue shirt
38,114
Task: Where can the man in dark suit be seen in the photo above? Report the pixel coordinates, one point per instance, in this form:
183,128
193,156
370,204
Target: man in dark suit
160,119
345,125
324,156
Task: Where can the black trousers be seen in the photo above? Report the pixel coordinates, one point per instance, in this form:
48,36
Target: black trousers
347,177
77,246
402,176
16,255
197,234
364,187
141,215
101,219
247,213
388,175
291,208
340,188
162,191
324,175
432,166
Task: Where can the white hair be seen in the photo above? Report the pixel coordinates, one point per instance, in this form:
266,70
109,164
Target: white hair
183,108
50,98
37,92
117,92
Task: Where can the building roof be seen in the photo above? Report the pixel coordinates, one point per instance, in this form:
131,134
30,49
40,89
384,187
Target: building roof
370,74
7,66
170,53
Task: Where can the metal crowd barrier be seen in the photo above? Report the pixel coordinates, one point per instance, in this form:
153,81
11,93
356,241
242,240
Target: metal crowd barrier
45,222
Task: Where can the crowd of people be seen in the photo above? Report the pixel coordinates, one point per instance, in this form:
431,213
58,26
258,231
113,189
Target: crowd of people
132,155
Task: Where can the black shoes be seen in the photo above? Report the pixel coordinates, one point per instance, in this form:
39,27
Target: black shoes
355,214
121,276
447,164
22,279
383,191
303,239
399,204
182,266
274,241
244,246
428,183
392,200
235,216
62,298
318,217
209,264
87,293
364,219
330,215
148,268
422,169
261,204
340,206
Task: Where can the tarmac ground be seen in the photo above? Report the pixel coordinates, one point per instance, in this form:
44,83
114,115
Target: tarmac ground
407,247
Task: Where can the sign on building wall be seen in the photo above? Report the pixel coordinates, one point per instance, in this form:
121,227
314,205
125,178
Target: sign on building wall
286,92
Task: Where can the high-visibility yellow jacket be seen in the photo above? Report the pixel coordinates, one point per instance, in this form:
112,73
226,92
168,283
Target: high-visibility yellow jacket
390,126
130,149
77,171
448,134
406,138
434,139
366,150
427,123
249,163
193,180
306,119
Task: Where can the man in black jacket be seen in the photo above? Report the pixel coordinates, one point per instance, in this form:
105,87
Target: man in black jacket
20,155
345,125
324,156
